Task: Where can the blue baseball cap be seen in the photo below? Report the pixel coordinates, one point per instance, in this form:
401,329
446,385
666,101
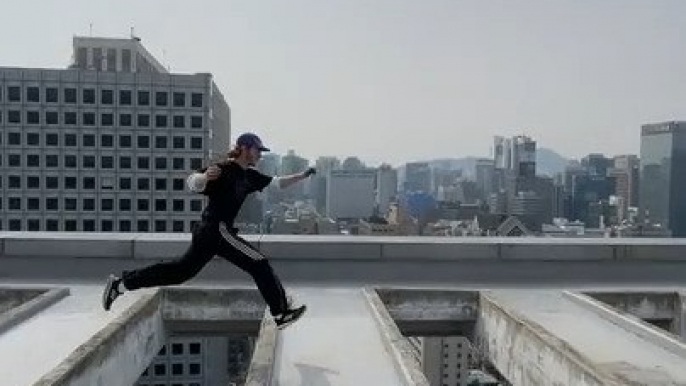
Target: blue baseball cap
251,140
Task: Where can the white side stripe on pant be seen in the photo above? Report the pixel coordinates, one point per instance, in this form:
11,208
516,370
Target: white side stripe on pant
251,253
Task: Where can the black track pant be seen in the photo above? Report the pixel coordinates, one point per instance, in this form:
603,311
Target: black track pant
210,239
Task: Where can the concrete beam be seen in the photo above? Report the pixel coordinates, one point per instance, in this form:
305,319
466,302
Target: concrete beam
679,326
261,371
631,323
427,312
527,354
130,342
439,248
56,244
642,304
201,311
320,247
160,245
396,344
24,310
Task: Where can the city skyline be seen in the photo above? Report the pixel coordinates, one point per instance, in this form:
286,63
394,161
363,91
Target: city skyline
324,78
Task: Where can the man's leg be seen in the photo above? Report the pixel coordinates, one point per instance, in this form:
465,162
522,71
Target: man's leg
203,247
246,257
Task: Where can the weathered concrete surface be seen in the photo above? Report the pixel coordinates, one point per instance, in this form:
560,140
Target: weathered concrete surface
261,371
642,304
526,353
543,338
13,297
341,260
336,343
631,323
19,304
427,312
198,311
117,354
60,333
397,346
658,308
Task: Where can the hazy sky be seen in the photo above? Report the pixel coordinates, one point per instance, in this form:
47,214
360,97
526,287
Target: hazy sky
396,80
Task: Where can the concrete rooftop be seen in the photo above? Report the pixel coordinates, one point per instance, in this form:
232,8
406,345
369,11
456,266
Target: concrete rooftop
528,304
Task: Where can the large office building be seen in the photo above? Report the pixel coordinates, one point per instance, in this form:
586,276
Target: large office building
350,194
663,167
106,144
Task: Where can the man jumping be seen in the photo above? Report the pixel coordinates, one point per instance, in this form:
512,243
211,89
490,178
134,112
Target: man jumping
226,184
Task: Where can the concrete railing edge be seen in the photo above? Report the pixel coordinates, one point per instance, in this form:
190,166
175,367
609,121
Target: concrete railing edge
261,370
395,343
17,315
629,323
69,368
363,248
556,343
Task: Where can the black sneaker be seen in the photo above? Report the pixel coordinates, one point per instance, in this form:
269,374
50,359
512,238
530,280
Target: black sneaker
289,317
111,292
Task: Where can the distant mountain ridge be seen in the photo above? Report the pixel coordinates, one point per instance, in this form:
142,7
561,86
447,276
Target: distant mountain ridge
548,162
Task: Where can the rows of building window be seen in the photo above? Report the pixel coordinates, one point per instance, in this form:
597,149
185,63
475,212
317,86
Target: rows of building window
91,225
121,184
102,96
175,366
107,141
90,119
88,204
103,162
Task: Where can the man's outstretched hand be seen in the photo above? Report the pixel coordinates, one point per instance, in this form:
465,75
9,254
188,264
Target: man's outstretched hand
309,172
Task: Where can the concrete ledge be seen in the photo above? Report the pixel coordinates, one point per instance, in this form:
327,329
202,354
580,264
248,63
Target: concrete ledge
214,310
557,251
657,251
320,247
160,246
24,311
349,248
631,324
439,249
642,304
527,354
396,345
428,312
54,244
130,342
261,369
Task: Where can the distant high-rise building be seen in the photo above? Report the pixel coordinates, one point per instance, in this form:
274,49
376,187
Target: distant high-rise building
200,361
596,165
270,164
517,154
485,177
113,55
592,187
446,361
319,181
445,178
626,172
352,163
291,163
417,177
325,164
524,156
350,194
106,145
386,188
663,176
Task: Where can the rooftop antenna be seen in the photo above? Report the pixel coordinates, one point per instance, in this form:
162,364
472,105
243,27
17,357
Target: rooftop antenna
90,29
133,35
164,60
